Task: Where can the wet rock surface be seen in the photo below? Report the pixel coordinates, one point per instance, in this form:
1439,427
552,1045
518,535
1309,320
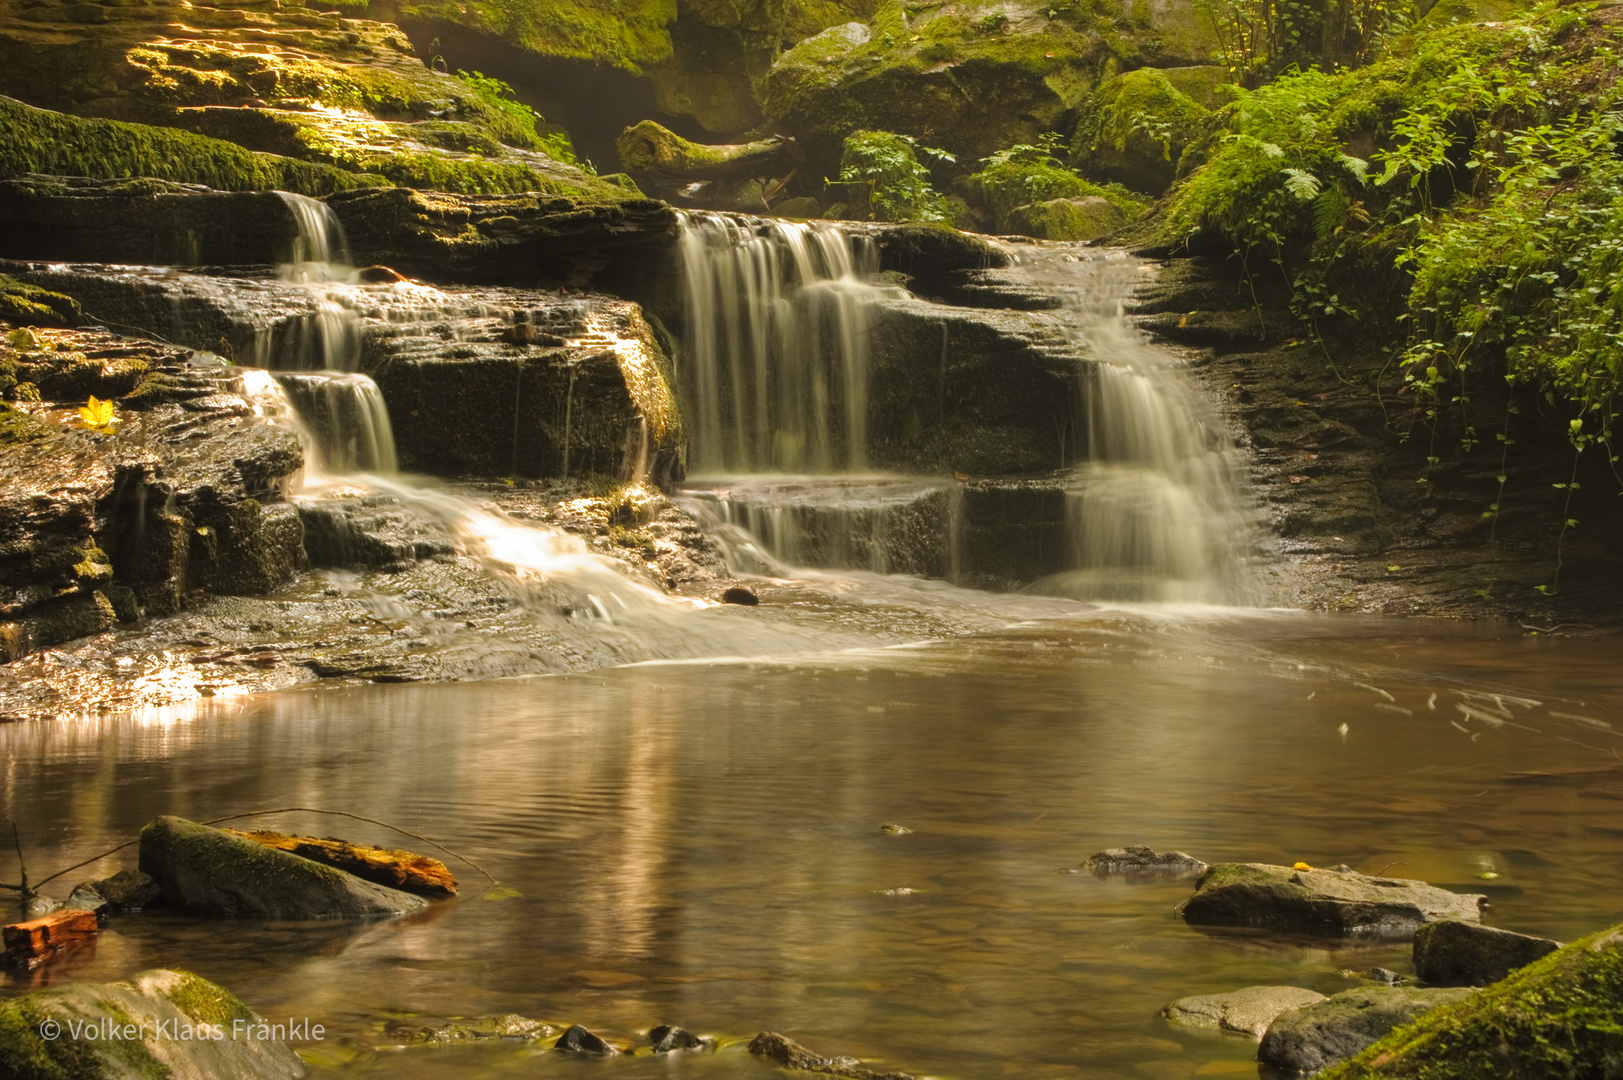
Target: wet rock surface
167,1009
579,1040
471,1029
1333,1029
1454,953
1329,901
127,890
669,1039
214,872
1246,1012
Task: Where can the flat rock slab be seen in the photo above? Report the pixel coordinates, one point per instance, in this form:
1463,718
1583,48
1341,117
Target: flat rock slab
1247,1012
1332,901
215,872
1306,1040
1454,953
168,1023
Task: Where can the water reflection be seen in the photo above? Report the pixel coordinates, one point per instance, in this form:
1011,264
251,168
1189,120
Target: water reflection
701,843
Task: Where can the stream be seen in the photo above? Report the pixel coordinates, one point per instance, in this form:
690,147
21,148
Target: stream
856,813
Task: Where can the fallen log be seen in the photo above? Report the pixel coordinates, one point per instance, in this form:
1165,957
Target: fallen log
398,869
29,944
651,151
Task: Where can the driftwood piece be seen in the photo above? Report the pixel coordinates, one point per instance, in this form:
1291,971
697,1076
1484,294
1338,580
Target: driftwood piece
649,150
29,944
404,870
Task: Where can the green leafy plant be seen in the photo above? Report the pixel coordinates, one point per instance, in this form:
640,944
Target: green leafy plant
1033,172
519,124
886,168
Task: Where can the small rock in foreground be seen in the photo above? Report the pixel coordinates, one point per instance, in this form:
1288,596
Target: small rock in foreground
472,1029
176,1016
740,595
1306,1040
1139,862
1332,901
1453,953
791,1055
211,871
1248,1011
578,1040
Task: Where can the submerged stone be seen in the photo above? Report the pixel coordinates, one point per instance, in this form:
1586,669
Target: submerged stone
188,1029
1306,1040
127,890
472,1029
214,872
579,1040
1332,901
1248,1011
1455,953
738,594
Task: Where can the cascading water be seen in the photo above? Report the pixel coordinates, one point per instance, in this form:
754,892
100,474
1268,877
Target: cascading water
1155,511
777,344
346,417
320,251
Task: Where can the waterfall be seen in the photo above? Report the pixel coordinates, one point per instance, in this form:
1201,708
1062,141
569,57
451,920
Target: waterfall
319,250
1155,510
346,418
776,349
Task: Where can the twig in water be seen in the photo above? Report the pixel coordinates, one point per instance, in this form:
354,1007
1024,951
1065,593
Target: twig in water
22,867
1387,867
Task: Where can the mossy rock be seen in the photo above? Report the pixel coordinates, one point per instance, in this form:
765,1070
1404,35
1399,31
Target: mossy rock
1554,1019
22,304
1137,126
1024,176
170,1009
215,872
40,141
1086,218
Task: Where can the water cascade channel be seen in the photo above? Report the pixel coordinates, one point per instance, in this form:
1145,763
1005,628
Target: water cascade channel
777,369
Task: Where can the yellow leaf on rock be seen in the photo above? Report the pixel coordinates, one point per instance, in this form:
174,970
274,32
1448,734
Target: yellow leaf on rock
97,413
1301,866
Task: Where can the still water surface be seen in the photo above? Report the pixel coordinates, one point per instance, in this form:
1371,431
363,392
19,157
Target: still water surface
701,843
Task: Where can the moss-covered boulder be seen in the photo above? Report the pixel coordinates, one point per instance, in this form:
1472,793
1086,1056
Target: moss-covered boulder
1136,126
1306,1039
158,1023
219,873
1086,218
1333,901
969,77
22,304
1554,1019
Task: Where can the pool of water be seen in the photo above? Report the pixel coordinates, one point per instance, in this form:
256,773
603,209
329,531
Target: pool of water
702,843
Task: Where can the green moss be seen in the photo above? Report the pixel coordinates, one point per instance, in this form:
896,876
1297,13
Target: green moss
1027,174
1136,128
1554,1019
1067,219
30,305
206,1003
39,141
626,34
17,426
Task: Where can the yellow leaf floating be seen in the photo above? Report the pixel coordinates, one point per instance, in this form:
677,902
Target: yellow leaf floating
501,892
1301,866
97,413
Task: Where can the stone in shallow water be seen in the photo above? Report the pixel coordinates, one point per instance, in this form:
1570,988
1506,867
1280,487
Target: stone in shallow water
211,871
667,1038
1247,1011
791,1055
472,1029
1306,1040
127,890
1331,901
1139,862
740,595
581,1041
1454,953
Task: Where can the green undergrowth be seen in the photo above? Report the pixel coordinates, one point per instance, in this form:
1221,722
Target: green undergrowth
1024,174
883,171
1473,175
39,141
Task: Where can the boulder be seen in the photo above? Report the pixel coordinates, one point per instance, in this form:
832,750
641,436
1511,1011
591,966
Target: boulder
1556,1017
1141,862
1085,217
178,1026
1455,953
1248,1011
1330,901
214,872
1139,124
1308,1039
